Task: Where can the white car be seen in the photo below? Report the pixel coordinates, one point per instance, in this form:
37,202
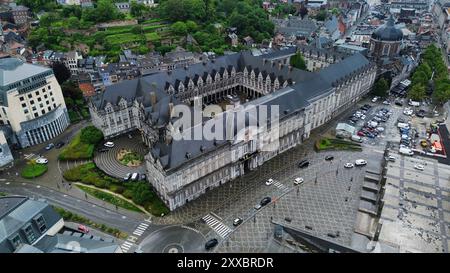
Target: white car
269,182
380,129
375,99
109,144
360,162
258,206
391,158
419,167
363,117
298,181
348,165
42,160
386,102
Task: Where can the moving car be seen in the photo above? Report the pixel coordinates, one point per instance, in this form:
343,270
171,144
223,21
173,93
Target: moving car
211,243
329,157
405,151
303,164
109,144
269,182
49,146
83,229
419,167
348,165
237,222
265,201
360,162
59,144
42,160
298,181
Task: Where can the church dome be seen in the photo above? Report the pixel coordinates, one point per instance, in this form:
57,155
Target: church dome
388,32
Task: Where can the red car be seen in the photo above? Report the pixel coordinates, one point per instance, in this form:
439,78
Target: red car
83,229
361,133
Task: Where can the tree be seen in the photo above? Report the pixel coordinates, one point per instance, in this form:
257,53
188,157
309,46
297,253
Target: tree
297,61
441,93
322,15
141,193
179,28
62,73
71,90
191,26
417,92
91,135
381,87
137,10
182,10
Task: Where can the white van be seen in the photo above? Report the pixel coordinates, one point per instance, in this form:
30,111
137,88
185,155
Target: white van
357,138
405,151
414,103
135,176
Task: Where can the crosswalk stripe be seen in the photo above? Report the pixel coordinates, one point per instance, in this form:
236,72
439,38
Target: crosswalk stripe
138,233
217,226
143,225
126,243
141,229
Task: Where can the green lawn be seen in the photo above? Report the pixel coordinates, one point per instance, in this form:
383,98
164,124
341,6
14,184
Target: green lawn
152,36
107,197
124,38
72,217
33,170
77,150
140,192
325,144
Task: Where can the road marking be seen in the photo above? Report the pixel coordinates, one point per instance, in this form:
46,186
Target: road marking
138,233
219,227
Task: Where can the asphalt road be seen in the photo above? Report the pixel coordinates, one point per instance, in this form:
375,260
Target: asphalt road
85,208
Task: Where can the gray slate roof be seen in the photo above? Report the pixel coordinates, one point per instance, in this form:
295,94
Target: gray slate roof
13,70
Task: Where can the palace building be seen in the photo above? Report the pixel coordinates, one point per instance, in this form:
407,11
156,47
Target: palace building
181,167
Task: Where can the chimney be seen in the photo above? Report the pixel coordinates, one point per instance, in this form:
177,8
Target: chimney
170,110
153,98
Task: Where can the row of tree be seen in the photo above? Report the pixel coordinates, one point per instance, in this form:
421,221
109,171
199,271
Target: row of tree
431,74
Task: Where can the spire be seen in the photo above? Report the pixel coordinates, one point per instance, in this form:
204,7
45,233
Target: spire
391,21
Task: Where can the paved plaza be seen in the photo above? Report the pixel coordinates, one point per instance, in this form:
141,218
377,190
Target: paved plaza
416,213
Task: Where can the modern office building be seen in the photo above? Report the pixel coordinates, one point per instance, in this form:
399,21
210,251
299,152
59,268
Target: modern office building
32,108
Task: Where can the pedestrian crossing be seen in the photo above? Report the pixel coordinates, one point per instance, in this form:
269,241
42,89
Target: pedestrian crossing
280,186
140,229
137,232
30,156
217,226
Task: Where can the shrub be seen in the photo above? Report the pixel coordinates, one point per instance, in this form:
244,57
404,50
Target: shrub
32,170
91,135
77,150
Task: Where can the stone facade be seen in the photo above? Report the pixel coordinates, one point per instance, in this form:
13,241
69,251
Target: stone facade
182,170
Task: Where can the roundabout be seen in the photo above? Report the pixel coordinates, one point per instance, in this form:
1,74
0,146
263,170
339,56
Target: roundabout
127,156
174,239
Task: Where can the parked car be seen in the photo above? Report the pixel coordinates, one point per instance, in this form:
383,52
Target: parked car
348,165
360,162
357,138
127,177
265,201
211,243
386,102
329,157
361,133
303,164
269,182
49,146
258,206
237,222
419,167
298,181
42,160
391,158
109,144
135,176
102,150
59,144
143,177
83,229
